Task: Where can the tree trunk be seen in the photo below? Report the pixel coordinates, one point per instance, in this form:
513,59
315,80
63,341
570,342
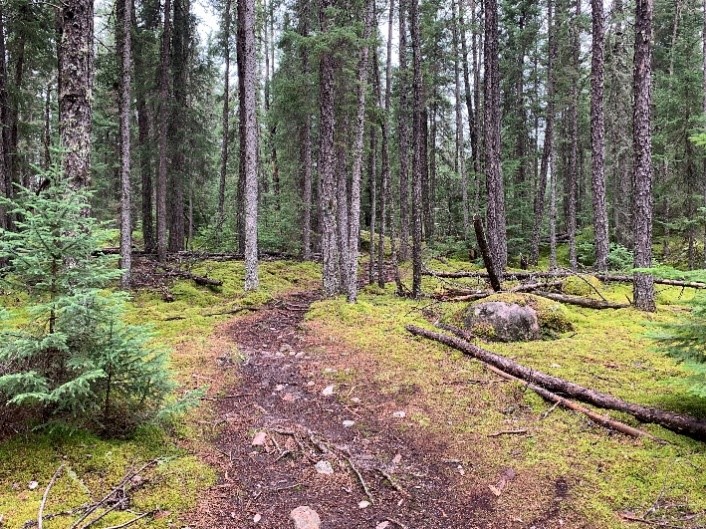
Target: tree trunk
547,148
5,176
123,33
460,141
600,212
573,169
305,149
75,51
327,196
342,208
249,96
354,217
386,217
373,187
417,139
643,287
163,123
467,84
703,36
240,58
225,117
497,236
403,133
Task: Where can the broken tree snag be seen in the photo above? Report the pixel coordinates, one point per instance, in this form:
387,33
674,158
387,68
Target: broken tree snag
581,301
199,280
485,252
672,421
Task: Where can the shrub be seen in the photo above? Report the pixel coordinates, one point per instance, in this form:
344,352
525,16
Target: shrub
73,357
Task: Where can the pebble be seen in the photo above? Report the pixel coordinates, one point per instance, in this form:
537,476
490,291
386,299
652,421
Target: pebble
355,400
364,504
327,391
257,518
383,525
305,517
279,387
310,383
324,467
348,424
259,439
32,485
399,415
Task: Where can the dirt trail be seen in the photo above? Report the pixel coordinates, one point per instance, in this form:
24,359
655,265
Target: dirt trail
281,395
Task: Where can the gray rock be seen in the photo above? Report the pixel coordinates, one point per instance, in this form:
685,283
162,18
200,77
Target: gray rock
505,322
324,467
305,518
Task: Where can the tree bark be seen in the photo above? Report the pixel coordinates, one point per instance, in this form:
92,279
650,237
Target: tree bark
460,140
75,51
123,32
643,287
225,116
467,85
541,190
249,96
162,126
240,58
354,217
5,176
403,132
327,196
485,253
305,154
573,169
373,187
417,139
600,212
497,236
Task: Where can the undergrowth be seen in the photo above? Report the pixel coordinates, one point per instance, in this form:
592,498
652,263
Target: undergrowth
456,398
93,465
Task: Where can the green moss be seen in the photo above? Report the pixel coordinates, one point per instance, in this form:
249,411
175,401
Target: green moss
462,402
93,465
582,286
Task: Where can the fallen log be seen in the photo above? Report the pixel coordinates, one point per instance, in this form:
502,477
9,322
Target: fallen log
581,301
602,420
559,274
672,421
485,252
199,280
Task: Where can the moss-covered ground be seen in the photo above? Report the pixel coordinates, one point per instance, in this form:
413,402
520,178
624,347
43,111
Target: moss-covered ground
607,474
91,465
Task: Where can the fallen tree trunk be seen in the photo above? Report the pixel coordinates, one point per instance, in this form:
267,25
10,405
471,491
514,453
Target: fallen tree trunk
602,420
581,301
485,252
553,275
199,280
672,421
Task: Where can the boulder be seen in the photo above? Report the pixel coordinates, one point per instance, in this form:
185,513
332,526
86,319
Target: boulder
502,321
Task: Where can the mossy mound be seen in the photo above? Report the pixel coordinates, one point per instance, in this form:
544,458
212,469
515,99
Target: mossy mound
553,317
581,286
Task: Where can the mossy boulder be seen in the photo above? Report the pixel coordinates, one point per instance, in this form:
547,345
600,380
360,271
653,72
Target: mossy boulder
506,322
581,286
552,316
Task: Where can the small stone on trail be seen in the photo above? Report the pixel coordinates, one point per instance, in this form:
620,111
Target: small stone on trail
348,424
32,485
300,354
257,518
286,348
289,397
328,391
305,518
355,400
279,387
329,370
399,415
364,504
396,460
324,467
383,525
310,383
259,439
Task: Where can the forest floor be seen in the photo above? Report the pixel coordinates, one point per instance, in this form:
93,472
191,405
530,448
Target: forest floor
294,380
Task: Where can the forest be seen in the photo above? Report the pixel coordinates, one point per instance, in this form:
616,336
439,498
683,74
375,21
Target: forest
340,264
